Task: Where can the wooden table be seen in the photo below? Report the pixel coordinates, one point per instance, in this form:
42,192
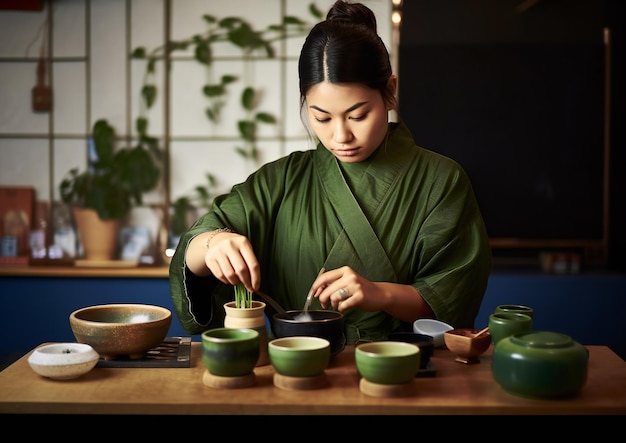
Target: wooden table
456,388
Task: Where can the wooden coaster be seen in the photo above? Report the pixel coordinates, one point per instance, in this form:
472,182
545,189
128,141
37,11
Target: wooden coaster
380,390
300,383
216,381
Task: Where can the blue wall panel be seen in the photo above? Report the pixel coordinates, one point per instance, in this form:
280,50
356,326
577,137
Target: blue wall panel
37,309
589,308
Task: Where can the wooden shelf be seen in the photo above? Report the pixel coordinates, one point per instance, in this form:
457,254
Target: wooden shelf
73,271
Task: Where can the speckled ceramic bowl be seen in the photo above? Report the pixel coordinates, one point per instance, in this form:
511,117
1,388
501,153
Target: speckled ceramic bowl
63,361
116,330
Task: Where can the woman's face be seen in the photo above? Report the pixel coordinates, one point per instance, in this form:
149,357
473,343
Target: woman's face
349,119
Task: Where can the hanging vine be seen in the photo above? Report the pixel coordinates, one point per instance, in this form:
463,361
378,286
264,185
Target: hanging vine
242,35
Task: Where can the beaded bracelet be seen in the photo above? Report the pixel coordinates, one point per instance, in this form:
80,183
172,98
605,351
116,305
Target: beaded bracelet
214,233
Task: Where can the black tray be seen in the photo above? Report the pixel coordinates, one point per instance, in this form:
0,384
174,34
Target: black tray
173,352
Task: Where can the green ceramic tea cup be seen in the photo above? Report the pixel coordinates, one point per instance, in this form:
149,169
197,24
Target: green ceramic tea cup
299,356
504,324
387,362
522,309
230,352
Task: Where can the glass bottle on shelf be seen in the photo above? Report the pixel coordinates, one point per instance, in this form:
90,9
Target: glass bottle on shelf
39,233
65,238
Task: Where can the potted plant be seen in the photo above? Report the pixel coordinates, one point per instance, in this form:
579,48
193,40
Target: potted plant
113,183
244,312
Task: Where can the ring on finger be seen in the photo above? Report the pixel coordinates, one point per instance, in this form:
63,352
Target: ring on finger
343,293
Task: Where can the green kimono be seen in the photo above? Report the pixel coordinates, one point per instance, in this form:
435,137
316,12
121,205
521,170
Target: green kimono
406,215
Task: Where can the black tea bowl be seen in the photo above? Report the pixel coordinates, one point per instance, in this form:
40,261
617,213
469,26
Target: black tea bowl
317,323
426,343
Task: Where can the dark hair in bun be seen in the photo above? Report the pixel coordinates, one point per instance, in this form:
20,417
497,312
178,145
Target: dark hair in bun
345,48
352,14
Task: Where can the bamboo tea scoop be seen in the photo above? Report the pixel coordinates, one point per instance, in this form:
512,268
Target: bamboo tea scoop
304,315
309,297
481,332
270,301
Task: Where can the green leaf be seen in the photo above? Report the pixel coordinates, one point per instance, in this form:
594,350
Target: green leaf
213,90
228,79
153,146
104,141
210,178
245,37
247,130
203,53
210,114
243,297
265,117
139,52
247,98
315,12
291,20
242,152
269,50
141,124
149,94
229,22
209,18
151,67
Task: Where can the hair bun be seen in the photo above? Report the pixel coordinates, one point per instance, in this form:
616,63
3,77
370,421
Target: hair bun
352,14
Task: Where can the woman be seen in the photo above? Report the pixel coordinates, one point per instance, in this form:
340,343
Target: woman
396,227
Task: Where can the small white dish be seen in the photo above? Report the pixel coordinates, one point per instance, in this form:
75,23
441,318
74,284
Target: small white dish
432,327
63,361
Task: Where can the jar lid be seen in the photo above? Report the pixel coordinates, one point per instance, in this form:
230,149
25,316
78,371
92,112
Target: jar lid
542,339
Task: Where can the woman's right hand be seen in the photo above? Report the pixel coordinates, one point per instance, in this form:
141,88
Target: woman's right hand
231,259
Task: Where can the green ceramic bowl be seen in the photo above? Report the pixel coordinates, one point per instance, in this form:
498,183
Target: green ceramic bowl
299,356
540,364
387,362
230,352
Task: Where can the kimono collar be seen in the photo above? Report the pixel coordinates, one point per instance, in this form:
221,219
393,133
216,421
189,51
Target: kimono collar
359,245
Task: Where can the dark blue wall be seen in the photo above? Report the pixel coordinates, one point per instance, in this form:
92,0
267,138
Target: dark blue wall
588,307
37,309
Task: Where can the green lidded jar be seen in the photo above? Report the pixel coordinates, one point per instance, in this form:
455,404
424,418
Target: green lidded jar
540,364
